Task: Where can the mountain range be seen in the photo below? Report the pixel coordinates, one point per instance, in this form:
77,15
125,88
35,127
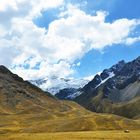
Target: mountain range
115,90
25,108
118,94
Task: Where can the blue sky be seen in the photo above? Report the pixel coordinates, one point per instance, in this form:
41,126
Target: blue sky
117,9
67,38
96,60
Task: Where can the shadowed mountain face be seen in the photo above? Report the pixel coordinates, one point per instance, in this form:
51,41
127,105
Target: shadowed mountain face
26,108
118,93
67,93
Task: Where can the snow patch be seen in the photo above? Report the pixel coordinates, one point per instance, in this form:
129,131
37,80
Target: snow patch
111,74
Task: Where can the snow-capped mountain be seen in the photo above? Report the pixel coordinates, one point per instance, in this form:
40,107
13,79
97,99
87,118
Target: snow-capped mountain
71,88
54,84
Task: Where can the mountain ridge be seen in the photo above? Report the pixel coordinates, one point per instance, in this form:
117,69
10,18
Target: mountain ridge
123,87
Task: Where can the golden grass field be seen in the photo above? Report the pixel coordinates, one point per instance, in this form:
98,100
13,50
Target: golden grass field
85,135
74,124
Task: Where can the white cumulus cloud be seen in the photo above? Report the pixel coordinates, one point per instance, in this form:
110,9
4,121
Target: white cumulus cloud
130,40
34,52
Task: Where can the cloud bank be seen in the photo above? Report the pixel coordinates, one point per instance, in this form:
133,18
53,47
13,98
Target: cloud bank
34,52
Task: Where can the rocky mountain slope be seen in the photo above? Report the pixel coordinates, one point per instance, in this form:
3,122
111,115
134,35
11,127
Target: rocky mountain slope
118,93
24,108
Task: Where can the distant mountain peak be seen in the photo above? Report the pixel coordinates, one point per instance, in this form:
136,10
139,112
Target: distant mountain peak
117,67
55,84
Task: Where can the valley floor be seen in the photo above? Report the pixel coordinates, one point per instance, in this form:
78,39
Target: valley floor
85,135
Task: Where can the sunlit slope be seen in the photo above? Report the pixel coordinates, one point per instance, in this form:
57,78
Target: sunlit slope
72,118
